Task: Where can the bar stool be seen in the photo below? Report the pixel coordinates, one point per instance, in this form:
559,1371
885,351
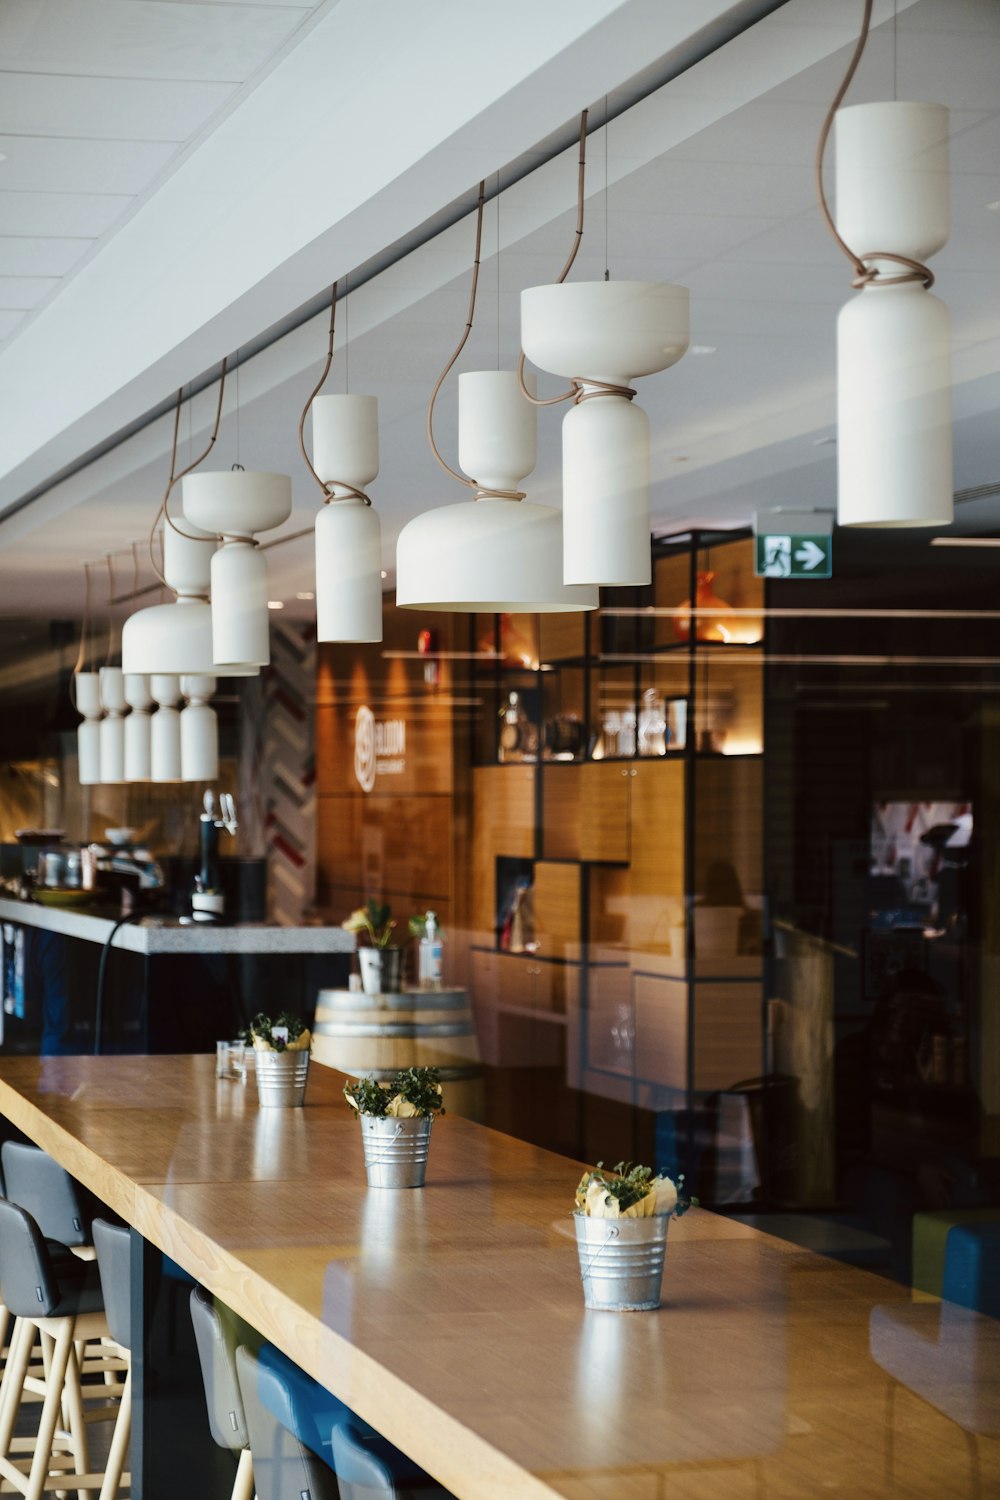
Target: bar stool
113,1244
49,1291
282,1464
60,1206
368,1469
216,1337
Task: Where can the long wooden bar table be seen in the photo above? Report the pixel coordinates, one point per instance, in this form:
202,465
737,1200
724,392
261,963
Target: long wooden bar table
452,1319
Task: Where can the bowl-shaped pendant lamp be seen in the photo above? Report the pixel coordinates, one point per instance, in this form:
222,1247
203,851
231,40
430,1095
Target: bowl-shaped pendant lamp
348,533
165,746
604,334
894,421
199,731
236,505
489,555
138,728
87,696
112,726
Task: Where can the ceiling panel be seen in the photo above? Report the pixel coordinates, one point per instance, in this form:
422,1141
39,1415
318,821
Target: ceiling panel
107,108
143,38
9,320
51,214
69,166
24,291
24,256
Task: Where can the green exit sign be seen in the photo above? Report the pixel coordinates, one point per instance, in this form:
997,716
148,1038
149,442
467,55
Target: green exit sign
794,556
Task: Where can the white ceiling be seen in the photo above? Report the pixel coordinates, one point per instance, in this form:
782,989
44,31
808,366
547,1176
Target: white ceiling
709,182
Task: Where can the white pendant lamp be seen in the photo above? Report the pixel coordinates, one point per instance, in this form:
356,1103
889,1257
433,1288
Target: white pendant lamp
199,729
177,638
112,726
497,553
348,533
894,421
138,729
236,505
601,335
87,694
165,742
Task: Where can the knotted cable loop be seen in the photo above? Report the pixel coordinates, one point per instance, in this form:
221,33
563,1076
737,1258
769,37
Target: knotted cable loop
587,390
483,492
871,275
351,492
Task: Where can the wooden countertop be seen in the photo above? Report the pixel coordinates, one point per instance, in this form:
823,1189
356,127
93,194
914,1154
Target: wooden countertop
452,1319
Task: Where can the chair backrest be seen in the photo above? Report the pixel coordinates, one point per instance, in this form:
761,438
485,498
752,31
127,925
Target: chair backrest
113,1243
28,1280
282,1466
361,1473
62,1209
972,1268
214,1334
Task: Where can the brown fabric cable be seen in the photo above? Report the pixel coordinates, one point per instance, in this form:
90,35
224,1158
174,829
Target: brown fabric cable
864,275
351,492
164,511
481,491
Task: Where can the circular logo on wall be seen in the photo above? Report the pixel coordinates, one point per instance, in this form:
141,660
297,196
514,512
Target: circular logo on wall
364,748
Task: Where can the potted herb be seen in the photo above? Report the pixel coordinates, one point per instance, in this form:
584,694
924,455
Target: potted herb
381,961
281,1053
621,1220
396,1122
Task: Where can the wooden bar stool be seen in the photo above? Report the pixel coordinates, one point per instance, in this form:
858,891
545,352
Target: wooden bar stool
50,1292
113,1244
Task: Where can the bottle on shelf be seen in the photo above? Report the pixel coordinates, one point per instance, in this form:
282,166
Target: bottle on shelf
431,955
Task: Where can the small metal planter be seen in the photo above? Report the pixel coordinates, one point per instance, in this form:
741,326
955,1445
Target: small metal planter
621,1261
381,970
281,1078
396,1150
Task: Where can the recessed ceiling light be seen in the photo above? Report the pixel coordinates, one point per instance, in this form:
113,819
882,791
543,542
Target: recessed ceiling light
681,458
305,594
275,604
965,541
384,573
993,207
702,349
824,442
3,157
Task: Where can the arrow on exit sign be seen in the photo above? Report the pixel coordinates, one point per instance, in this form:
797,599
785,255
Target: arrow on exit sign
791,556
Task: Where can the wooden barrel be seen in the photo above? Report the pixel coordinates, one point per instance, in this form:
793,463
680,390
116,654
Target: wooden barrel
376,1035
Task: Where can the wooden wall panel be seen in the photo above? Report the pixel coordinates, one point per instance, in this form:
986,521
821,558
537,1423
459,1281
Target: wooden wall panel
557,910
561,810
604,811
727,1034
661,1031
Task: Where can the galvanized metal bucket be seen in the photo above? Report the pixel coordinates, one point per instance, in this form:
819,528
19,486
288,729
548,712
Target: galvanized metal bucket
281,1078
621,1261
396,1150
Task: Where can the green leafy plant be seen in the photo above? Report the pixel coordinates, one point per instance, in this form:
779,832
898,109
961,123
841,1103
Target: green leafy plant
260,1034
631,1192
373,918
413,1092
418,926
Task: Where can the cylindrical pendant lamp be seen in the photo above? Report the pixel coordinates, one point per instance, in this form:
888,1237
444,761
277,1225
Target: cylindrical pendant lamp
894,427
199,731
236,505
240,616
112,727
894,419
605,334
138,731
87,697
165,728
489,555
348,533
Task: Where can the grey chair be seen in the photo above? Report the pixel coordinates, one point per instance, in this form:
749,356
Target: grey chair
216,1333
63,1210
369,1468
283,1467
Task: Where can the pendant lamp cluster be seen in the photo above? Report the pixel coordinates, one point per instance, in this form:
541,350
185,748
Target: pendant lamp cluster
894,424
499,552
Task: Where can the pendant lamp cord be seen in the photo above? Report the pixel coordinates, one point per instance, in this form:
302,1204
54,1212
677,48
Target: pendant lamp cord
111,618
579,389
344,491
482,492
164,511
81,655
864,274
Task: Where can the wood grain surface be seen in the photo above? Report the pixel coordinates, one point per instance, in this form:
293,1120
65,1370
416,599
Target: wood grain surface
452,1318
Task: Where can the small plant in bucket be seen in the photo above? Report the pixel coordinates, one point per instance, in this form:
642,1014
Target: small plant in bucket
281,1046
396,1122
380,961
621,1219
